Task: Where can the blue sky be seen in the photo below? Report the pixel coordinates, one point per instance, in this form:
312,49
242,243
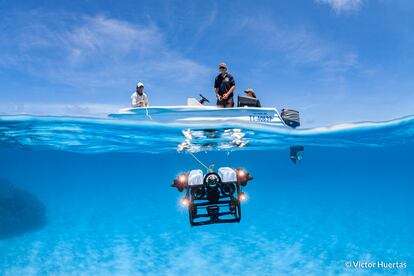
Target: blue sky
334,60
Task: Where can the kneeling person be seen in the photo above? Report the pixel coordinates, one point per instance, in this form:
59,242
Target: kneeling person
139,98
250,92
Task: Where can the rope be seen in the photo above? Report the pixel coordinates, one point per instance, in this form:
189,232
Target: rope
209,169
147,113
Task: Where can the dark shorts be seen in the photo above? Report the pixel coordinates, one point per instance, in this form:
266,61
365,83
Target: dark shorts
226,103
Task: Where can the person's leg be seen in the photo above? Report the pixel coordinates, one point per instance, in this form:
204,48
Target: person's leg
220,104
229,103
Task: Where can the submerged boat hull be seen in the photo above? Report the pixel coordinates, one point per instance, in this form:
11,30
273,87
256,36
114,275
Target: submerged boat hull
202,115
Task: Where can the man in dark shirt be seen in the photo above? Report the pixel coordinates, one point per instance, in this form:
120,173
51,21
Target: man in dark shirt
224,87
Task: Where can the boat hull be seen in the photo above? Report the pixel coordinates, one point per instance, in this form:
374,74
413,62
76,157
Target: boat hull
202,115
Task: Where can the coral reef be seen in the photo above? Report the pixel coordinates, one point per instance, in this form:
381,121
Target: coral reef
20,211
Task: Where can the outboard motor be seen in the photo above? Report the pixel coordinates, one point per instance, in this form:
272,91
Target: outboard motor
290,117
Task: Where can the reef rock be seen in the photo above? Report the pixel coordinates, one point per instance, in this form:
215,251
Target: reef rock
20,211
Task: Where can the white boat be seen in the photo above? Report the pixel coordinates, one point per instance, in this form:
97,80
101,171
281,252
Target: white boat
196,113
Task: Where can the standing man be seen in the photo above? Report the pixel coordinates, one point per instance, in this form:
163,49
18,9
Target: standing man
224,86
139,98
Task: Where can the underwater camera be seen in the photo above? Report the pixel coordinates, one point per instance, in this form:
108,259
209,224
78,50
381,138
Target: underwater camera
296,153
213,197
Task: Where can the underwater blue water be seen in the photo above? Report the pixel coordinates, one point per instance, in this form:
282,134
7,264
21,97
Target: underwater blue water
111,210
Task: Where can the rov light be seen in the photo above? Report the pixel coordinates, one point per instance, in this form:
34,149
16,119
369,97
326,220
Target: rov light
180,182
242,196
241,173
185,201
182,178
243,176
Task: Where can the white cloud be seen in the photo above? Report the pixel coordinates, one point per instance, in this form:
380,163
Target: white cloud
342,6
92,52
57,109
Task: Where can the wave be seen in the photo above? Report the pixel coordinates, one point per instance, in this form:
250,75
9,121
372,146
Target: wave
98,135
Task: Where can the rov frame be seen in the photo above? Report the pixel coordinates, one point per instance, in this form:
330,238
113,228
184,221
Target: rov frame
214,201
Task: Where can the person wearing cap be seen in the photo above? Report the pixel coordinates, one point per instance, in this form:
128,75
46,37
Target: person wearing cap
224,86
139,98
250,92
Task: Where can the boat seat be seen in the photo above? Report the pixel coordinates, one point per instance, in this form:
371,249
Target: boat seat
227,174
246,101
195,177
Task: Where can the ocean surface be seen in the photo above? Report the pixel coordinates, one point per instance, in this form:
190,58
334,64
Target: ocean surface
109,209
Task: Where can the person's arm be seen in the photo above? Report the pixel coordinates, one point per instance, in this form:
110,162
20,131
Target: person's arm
217,94
231,90
229,93
216,89
133,100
